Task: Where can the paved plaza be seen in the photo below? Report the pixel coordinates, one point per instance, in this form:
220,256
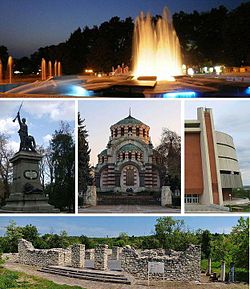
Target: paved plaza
128,209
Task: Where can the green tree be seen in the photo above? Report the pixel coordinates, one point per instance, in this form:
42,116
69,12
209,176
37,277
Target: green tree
240,239
13,234
63,161
5,167
167,231
170,152
206,243
84,177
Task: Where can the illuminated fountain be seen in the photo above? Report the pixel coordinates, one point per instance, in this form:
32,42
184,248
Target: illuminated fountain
50,69
55,68
43,69
10,68
59,69
156,48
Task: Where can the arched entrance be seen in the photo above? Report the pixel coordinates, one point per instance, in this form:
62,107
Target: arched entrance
130,178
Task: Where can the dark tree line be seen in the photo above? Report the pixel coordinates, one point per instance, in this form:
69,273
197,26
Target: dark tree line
219,36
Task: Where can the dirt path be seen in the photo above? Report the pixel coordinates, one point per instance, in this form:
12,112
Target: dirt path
30,270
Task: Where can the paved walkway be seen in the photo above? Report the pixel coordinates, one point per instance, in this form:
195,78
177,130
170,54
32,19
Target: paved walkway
130,209
30,270
198,208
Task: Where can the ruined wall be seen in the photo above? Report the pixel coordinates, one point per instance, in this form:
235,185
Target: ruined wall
178,266
101,257
28,255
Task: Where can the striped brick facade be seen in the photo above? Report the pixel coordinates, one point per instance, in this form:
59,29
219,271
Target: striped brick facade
129,162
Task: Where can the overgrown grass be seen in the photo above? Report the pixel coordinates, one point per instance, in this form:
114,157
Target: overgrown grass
241,274
17,280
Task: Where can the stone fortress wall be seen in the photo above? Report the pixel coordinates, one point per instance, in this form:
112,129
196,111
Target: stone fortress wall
178,266
28,255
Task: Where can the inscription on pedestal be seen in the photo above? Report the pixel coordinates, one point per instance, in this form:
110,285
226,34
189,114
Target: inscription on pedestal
30,174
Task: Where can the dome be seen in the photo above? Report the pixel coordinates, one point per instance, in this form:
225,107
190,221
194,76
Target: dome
129,120
129,148
103,153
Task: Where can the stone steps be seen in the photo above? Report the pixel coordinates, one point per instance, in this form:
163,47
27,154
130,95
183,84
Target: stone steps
91,275
127,200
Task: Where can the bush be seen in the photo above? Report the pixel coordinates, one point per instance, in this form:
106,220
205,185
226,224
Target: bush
241,275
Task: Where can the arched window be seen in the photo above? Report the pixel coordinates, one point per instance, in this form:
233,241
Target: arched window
116,132
122,131
136,155
102,159
129,155
137,131
123,156
144,133
130,129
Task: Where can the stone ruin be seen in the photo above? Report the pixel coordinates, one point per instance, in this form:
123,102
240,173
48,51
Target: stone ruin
178,266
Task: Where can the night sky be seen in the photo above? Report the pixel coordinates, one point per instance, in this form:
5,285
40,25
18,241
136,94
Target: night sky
26,25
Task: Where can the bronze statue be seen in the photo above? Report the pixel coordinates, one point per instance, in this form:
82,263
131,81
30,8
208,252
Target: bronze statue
27,142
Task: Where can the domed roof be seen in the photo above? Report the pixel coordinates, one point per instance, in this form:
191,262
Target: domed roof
104,152
129,120
129,148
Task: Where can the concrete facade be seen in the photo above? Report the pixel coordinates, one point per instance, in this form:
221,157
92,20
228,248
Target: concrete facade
129,163
211,165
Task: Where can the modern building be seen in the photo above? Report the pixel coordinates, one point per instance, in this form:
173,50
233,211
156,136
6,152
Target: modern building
211,164
129,163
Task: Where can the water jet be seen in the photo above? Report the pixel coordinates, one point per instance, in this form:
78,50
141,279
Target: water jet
156,48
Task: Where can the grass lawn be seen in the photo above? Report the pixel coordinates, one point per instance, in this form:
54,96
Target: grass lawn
14,280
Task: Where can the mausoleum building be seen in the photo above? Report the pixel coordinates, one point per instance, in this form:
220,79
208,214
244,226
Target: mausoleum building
129,163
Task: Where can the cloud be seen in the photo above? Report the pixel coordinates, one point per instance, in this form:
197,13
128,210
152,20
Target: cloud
14,145
7,126
56,111
46,139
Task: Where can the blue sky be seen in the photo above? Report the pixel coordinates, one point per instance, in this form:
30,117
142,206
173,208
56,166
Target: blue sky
232,117
26,25
43,118
112,226
100,114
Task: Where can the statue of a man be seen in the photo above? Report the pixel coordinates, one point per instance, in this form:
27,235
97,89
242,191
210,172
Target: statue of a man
27,142
23,132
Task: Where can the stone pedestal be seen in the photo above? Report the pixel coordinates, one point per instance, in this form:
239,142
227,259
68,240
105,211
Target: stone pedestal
166,196
26,192
90,196
223,272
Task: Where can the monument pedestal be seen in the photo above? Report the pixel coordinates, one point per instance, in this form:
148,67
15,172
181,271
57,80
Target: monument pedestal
26,192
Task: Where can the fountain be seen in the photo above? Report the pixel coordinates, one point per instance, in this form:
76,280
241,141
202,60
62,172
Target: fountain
59,69
1,70
43,68
9,68
55,68
50,69
156,48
